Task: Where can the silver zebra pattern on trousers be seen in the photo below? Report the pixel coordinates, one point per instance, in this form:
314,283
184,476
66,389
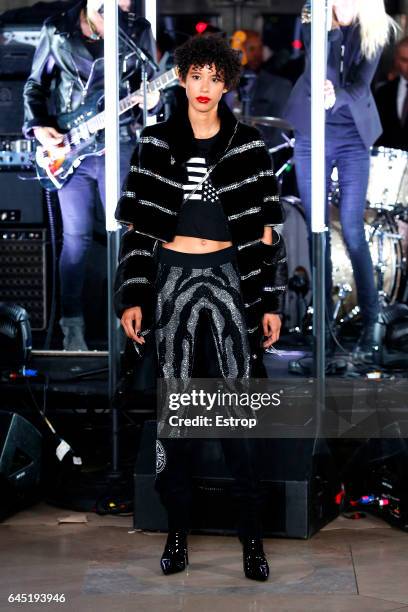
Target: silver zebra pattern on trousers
182,295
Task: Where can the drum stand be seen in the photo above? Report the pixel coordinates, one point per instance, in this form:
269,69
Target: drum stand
381,265
344,290
288,144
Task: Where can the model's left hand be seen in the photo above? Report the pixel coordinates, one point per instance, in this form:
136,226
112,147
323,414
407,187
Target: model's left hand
271,324
152,100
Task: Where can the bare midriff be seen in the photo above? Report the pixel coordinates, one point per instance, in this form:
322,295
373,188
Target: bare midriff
190,244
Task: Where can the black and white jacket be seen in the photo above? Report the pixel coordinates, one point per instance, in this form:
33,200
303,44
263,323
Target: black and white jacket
247,189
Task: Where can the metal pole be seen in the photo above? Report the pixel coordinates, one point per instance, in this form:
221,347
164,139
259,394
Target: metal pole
319,67
150,13
112,181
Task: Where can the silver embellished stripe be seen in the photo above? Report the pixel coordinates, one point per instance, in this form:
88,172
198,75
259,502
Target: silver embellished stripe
250,179
154,141
273,289
163,179
245,147
137,280
150,236
253,273
248,244
274,198
141,252
154,205
129,194
232,186
250,211
280,261
248,305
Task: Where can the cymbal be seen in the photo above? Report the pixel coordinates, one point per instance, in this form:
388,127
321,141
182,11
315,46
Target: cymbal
274,122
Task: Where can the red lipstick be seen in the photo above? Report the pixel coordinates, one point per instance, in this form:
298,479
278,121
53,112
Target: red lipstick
203,99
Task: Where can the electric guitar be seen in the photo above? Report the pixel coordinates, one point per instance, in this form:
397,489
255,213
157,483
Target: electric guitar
82,134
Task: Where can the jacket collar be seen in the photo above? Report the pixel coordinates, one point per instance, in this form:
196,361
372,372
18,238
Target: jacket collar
181,136
66,23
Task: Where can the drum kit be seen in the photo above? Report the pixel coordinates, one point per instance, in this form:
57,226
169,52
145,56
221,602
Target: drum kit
386,227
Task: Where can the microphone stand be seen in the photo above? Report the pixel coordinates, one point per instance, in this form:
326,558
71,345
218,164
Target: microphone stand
146,61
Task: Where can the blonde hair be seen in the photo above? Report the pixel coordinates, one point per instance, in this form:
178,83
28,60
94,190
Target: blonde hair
375,25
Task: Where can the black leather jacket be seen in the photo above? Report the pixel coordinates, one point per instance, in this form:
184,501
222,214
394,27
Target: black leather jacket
64,70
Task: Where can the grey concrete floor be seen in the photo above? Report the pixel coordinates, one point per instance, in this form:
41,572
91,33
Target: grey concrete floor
101,564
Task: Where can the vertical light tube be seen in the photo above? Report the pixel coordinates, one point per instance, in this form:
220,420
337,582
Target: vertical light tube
112,178
150,12
112,184
319,63
320,18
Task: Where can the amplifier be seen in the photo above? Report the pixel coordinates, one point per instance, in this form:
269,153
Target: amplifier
300,486
11,105
23,35
20,463
16,59
21,201
23,272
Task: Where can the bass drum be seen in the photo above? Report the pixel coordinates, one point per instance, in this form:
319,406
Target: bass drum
294,232
387,256
388,183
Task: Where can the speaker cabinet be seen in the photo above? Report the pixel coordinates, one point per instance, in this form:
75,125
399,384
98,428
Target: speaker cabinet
21,201
299,482
23,272
20,462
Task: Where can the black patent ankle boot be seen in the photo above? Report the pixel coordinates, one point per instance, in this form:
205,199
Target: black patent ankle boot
255,564
175,556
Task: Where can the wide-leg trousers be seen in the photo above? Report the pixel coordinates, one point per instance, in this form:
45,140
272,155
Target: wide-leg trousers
200,321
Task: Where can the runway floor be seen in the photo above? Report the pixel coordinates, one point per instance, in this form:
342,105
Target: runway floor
101,564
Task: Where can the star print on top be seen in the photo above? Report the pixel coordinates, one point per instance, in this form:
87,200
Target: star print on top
202,215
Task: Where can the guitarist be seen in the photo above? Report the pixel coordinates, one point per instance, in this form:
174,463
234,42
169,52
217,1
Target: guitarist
67,68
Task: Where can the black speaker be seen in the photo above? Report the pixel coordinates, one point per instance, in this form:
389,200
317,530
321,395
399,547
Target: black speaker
21,201
20,462
11,106
23,272
16,59
299,481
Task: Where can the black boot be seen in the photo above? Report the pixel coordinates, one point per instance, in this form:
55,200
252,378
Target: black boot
175,556
255,564
366,345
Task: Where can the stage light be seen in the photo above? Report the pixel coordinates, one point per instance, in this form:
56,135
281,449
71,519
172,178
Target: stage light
201,27
297,44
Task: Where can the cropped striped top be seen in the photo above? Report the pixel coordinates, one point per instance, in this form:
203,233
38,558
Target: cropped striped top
201,215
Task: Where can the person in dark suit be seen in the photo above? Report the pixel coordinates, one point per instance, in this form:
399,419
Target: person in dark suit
359,33
260,92
392,103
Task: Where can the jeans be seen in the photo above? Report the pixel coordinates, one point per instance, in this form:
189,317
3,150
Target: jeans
353,162
77,200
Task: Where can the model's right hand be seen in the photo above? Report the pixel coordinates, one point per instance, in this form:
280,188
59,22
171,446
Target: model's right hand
131,322
48,136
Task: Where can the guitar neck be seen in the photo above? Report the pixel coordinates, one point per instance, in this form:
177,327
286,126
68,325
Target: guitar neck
97,122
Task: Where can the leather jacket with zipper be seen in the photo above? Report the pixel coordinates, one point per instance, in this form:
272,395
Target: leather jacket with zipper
63,69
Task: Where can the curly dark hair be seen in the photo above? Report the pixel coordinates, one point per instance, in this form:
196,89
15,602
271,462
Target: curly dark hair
206,50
